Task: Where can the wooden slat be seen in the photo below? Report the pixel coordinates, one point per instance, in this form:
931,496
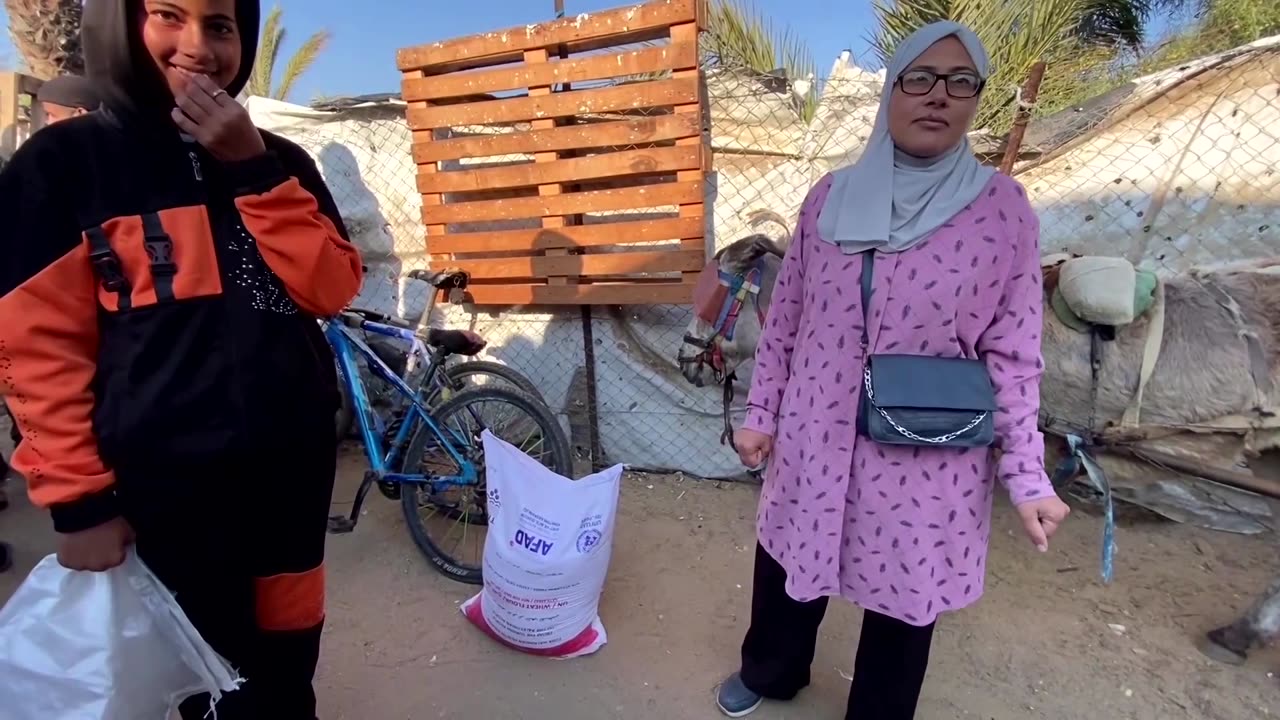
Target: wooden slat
594,167
620,26
31,85
639,197
619,233
534,59
660,261
688,33
428,199
581,69
583,294
633,96
660,119
619,133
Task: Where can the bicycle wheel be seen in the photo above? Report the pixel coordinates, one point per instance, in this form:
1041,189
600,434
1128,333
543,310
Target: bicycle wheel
479,373
437,514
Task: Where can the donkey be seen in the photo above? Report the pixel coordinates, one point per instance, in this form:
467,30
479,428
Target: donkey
1259,625
730,302
1219,356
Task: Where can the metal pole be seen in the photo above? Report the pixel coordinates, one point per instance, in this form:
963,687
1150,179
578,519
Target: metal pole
588,333
1029,92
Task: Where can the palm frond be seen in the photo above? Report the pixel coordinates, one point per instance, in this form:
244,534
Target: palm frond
46,34
300,62
1116,22
1017,34
263,81
739,36
1219,25
264,67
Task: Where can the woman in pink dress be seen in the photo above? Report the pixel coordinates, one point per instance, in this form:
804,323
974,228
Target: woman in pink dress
899,529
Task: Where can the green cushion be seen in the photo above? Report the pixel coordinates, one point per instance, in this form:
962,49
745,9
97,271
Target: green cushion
1144,295
1065,314
1144,292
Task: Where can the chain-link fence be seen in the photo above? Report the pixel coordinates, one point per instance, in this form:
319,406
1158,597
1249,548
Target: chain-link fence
1171,170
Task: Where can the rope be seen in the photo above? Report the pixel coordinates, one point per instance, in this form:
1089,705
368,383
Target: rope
726,437
1079,459
1022,104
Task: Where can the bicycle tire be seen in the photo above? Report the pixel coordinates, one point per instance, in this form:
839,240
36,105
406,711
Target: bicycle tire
562,463
463,370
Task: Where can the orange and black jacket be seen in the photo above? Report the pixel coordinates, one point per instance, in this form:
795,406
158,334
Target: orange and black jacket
158,308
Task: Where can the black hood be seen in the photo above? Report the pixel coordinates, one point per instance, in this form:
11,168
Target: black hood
121,67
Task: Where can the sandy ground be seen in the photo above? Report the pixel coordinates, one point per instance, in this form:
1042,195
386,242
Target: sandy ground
1040,644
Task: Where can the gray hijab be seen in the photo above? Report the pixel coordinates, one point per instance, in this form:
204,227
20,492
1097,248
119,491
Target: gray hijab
887,200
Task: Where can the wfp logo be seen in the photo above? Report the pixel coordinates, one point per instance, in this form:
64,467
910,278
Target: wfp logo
588,540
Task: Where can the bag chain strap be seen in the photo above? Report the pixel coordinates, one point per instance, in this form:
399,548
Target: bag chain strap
867,265
871,398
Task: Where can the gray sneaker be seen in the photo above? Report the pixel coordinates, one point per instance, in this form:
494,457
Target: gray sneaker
735,699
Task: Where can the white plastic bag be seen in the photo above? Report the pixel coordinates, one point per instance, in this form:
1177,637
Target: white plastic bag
546,554
112,645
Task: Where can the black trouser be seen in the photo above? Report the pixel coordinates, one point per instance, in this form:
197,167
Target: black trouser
779,647
16,437
241,545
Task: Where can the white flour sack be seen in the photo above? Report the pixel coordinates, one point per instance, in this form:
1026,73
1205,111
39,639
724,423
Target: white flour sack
546,555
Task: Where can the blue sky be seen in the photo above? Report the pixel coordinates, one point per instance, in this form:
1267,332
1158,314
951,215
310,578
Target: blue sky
367,33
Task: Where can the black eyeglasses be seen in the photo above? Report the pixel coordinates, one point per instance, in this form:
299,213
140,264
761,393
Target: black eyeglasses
961,85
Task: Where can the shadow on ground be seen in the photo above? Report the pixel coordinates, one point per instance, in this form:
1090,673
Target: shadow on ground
1038,646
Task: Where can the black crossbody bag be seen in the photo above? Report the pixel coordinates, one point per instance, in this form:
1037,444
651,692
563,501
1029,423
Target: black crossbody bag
923,400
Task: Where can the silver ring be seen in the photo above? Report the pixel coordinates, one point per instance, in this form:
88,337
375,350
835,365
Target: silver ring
219,93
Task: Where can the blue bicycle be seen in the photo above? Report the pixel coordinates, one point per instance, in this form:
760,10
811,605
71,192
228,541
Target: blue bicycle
430,456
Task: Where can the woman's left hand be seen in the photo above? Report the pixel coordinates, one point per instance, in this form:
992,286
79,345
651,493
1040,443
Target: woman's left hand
219,123
1041,518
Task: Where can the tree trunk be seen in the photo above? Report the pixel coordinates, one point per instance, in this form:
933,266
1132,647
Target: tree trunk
47,35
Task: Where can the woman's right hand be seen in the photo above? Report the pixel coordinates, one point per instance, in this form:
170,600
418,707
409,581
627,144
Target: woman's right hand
753,446
96,549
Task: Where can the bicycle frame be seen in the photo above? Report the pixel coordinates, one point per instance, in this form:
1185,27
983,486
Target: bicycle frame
347,345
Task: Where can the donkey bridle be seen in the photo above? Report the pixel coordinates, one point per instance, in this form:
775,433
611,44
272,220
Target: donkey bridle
741,286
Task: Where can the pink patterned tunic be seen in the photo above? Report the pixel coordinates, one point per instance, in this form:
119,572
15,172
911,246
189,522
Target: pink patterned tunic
897,529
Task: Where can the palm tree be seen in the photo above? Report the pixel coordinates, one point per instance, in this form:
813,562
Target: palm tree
46,33
263,79
1123,23
1115,22
1017,33
1218,25
740,37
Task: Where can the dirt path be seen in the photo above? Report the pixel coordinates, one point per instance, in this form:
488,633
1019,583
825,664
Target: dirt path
1038,646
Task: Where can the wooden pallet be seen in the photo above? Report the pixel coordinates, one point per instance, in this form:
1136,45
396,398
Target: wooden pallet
18,115
519,134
